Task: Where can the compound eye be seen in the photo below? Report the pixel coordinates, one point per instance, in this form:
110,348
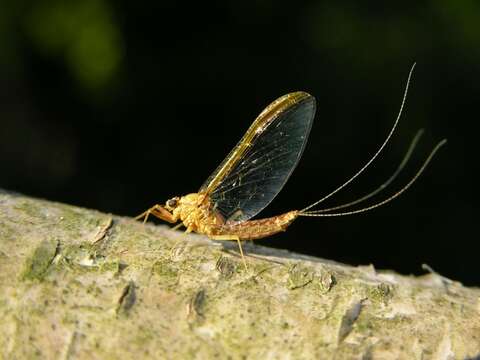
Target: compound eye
172,203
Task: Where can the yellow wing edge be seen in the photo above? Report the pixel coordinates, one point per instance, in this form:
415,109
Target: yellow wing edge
270,113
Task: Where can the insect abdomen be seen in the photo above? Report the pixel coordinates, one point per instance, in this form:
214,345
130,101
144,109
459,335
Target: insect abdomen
257,229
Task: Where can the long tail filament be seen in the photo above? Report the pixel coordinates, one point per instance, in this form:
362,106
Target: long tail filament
376,154
320,213
385,184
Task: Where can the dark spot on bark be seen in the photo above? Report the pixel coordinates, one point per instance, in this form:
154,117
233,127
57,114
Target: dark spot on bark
127,298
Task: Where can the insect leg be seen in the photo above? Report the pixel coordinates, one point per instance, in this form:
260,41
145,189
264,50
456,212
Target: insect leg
158,211
231,237
176,227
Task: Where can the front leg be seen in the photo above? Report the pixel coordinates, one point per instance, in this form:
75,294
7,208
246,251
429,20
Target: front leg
158,211
231,237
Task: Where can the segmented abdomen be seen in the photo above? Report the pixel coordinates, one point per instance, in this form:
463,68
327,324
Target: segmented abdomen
257,229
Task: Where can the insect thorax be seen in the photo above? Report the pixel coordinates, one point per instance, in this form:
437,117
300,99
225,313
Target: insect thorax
194,211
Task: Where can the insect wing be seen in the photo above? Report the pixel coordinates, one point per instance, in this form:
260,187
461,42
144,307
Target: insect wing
259,166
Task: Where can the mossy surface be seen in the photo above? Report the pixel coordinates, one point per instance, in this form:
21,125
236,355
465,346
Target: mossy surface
37,264
76,283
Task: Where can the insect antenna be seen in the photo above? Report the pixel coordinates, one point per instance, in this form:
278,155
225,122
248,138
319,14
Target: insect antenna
384,185
378,151
318,213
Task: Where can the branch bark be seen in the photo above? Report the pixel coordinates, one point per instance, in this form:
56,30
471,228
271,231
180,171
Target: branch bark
78,284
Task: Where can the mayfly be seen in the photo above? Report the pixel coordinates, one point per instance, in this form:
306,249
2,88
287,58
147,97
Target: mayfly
255,171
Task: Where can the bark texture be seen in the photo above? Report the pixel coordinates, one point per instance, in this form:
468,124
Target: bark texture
80,284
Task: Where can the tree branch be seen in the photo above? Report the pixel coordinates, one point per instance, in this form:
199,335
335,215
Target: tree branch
77,284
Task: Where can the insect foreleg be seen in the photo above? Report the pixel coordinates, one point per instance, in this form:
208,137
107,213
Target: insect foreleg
158,211
231,237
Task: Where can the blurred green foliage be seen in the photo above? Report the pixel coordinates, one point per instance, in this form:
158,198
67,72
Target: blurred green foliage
462,19
82,34
86,37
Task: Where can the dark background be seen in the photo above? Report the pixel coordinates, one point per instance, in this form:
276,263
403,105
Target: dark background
118,105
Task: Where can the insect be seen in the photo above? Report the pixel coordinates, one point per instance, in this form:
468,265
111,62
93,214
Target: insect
255,171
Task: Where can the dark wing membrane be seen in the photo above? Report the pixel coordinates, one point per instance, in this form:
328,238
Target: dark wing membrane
264,168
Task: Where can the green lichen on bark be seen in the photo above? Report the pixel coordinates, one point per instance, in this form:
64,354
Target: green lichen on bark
37,264
76,283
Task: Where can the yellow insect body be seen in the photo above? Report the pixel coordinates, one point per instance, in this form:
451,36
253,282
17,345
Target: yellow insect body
194,212
255,171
